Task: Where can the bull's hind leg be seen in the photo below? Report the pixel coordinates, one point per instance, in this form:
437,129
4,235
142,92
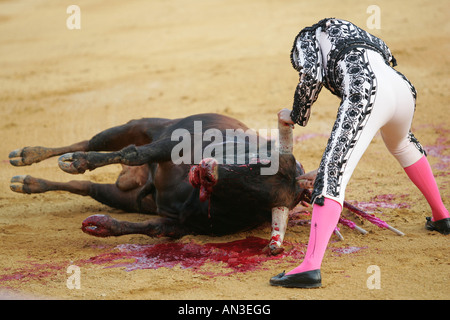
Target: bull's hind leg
108,194
28,184
137,132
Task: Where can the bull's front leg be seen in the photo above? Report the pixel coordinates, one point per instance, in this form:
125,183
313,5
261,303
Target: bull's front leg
139,132
79,162
29,155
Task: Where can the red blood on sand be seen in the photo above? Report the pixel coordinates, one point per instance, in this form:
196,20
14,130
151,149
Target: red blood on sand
239,256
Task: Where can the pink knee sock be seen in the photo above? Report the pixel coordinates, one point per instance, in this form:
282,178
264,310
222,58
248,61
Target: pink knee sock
421,175
324,220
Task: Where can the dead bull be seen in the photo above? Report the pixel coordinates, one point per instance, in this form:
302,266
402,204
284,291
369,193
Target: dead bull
206,198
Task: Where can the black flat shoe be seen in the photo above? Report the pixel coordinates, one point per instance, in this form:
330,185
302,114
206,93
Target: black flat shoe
307,279
441,226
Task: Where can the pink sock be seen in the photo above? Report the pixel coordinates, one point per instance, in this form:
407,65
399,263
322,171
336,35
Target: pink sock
324,220
421,175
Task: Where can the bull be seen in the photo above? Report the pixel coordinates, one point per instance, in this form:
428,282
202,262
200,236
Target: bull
211,197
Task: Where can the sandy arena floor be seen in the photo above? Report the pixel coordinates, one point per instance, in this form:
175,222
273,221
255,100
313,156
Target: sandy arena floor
134,59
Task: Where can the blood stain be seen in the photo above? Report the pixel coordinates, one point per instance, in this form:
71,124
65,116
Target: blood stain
347,250
387,201
236,256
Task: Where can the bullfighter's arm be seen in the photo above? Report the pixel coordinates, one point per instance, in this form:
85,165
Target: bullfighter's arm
305,95
306,58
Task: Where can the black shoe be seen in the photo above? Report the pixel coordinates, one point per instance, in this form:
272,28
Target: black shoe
441,226
307,279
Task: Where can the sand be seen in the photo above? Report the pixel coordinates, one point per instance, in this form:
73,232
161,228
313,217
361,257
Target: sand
134,59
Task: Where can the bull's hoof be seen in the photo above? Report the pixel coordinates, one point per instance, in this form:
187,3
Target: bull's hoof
28,155
27,184
72,163
17,162
100,225
65,163
273,250
18,187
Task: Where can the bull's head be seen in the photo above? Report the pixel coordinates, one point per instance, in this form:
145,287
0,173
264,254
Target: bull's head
204,176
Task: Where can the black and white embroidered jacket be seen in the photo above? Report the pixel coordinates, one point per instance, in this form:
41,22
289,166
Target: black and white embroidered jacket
315,54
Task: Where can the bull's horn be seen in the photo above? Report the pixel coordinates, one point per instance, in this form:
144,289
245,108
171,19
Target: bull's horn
286,138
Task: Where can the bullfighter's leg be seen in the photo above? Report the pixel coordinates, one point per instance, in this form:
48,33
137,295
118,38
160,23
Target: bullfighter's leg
403,145
138,132
108,194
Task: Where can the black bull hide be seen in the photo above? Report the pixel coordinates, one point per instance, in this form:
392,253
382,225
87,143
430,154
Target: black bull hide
241,182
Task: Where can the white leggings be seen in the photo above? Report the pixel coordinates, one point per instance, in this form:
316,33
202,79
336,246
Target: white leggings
375,97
